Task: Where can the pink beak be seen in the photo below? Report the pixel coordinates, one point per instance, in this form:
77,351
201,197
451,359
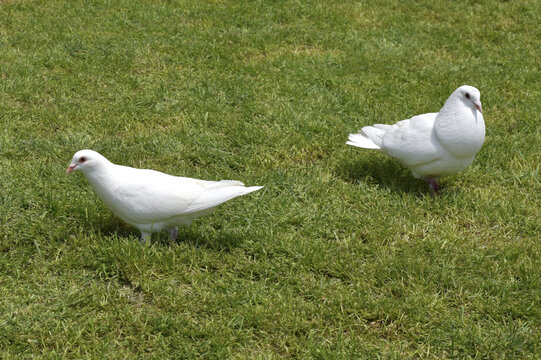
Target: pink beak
478,106
70,168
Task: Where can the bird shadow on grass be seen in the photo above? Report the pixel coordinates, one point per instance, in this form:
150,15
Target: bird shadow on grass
220,240
381,171
112,226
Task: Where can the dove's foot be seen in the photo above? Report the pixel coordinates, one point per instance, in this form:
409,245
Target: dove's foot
145,236
173,233
433,185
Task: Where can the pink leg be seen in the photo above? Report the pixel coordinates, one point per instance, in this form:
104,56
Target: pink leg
433,184
145,236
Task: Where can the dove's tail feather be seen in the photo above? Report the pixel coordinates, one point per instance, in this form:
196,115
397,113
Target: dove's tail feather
217,195
237,186
231,182
362,141
369,138
251,189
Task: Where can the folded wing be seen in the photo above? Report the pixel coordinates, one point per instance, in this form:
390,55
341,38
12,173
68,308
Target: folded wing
150,196
412,141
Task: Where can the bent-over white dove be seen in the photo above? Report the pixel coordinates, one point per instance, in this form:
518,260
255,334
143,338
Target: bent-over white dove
150,200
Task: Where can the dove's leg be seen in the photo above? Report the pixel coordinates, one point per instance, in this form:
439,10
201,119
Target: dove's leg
173,233
433,184
145,236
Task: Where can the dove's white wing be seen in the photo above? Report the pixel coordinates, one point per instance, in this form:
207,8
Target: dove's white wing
218,192
142,201
147,196
412,141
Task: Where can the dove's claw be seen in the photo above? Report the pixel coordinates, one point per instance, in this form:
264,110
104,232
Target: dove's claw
173,233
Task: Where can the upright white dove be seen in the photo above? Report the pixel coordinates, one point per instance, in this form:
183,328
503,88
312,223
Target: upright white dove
435,144
150,200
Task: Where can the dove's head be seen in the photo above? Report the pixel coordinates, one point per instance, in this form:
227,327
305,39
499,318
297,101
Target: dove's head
86,160
470,96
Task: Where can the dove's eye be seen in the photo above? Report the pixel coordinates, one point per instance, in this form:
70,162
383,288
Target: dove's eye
82,159
467,95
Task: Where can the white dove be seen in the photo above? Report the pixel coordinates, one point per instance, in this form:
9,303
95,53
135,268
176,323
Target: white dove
150,200
435,144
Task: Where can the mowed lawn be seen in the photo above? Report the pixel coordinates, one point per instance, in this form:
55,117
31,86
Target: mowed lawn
343,254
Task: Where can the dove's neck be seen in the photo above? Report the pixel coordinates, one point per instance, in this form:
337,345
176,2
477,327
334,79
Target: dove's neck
460,128
103,179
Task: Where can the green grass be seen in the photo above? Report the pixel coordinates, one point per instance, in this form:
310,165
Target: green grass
343,255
